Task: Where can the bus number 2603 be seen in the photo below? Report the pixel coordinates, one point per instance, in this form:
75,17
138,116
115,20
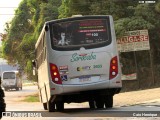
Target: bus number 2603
97,66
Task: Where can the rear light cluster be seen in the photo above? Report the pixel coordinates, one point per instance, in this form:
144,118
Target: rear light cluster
55,74
113,67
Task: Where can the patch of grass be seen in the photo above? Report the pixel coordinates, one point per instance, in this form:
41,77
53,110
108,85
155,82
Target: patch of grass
29,83
32,98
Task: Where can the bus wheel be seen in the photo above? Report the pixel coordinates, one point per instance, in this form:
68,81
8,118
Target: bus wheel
45,106
109,101
100,102
60,106
92,104
51,106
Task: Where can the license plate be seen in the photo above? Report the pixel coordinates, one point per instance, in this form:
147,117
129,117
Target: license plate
84,78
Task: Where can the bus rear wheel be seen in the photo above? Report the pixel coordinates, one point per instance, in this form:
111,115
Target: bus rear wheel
100,101
51,106
60,106
109,101
99,104
92,104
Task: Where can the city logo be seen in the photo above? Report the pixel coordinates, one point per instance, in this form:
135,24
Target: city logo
83,57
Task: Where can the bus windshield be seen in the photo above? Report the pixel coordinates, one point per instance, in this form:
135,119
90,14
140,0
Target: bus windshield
9,75
80,33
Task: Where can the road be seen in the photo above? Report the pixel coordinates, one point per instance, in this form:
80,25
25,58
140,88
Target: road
14,103
14,100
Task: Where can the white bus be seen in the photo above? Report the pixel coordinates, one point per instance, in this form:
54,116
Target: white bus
77,61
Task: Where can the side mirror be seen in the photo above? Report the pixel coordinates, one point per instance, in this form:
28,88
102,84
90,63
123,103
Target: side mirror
34,63
34,66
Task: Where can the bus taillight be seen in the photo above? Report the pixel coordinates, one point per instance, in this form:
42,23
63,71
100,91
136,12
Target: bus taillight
55,74
113,67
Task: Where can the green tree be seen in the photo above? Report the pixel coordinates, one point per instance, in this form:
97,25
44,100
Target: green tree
74,7
19,26
23,31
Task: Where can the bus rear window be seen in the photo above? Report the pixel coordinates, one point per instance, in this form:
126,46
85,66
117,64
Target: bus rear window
80,33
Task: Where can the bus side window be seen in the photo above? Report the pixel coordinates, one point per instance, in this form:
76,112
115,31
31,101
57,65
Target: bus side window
44,52
44,47
41,52
38,51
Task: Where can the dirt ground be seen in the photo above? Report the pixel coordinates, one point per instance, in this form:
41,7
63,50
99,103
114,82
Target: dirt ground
121,99
136,97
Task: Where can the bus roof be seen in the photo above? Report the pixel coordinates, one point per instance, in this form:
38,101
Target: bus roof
77,17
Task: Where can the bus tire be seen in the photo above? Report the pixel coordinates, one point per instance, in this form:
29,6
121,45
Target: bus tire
100,104
109,101
60,106
45,106
51,106
100,101
92,104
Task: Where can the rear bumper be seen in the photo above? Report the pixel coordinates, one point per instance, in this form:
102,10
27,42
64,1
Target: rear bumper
105,84
83,93
109,91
